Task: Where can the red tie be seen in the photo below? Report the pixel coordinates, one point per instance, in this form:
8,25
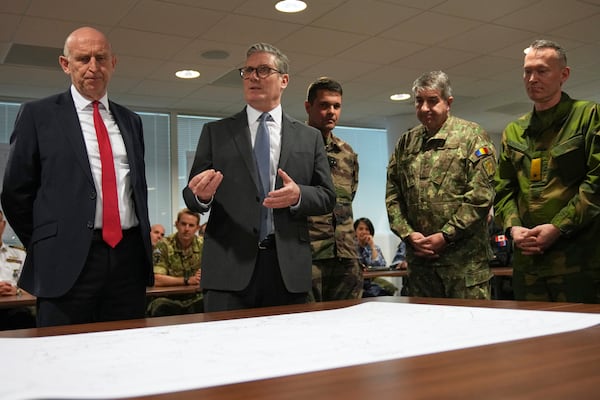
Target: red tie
111,222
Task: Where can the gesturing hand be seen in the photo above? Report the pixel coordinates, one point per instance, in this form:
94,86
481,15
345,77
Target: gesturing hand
205,184
286,196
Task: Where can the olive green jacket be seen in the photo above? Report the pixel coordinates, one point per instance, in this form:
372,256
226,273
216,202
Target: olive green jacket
549,173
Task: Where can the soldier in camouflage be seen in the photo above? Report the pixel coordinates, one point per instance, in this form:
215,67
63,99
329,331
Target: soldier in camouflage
548,183
177,262
439,192
336,271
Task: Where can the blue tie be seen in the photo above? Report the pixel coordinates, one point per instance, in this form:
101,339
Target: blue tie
262,153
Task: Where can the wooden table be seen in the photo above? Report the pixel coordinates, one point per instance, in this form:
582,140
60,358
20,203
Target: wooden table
384,273
502,271
561,366
497,271
25,299
157,291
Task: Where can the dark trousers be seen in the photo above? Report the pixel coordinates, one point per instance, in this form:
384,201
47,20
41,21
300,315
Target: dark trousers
266,288
112,286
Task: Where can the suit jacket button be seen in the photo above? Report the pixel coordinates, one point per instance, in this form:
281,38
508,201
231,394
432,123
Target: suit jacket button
90,225
93,195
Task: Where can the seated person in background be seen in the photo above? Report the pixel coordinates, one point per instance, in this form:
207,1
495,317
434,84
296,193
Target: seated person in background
177,262
399,261
369,254
157,232
11,262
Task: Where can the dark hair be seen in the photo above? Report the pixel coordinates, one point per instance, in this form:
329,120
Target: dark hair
367,222
323,83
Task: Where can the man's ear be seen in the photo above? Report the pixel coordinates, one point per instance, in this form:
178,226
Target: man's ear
64,64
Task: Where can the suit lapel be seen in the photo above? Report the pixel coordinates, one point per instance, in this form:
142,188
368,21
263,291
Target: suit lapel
69,124
127,134
287,129
243,141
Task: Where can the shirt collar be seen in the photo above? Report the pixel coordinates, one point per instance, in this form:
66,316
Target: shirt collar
253,114
81,102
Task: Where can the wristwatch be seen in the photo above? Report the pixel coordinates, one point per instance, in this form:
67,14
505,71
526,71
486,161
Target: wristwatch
447,237
185,281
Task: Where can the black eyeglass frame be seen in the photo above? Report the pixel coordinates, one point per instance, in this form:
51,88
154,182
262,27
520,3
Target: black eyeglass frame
262,71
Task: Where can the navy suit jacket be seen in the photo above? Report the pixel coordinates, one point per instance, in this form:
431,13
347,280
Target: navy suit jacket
49,197
231,237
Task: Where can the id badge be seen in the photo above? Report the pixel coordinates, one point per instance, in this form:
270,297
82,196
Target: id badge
535,174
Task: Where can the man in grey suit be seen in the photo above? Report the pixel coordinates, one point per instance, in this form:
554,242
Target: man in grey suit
245,265
54,200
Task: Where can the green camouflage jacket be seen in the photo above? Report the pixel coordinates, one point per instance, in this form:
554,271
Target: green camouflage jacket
332,235
549,172
170,259
443,184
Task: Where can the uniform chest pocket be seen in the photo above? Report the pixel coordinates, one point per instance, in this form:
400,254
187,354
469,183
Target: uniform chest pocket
568,160
444,165
407,173
521,161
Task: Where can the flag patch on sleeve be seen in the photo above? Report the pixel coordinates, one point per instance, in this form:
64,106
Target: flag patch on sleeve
482,151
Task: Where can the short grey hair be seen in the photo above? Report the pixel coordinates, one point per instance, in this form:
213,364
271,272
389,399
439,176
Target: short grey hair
434,80
281,60
549,44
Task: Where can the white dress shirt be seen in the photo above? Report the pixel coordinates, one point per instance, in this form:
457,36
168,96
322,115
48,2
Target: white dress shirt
274,126
84,109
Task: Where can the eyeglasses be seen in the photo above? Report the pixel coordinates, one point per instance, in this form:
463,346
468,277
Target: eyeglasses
262,71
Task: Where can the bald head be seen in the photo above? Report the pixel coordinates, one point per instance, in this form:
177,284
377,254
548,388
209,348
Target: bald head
89,61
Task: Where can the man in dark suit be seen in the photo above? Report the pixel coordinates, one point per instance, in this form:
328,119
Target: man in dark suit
54,200
245,264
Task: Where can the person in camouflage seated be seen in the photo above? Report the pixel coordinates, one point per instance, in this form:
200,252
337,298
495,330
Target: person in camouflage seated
336,273
440,187
177,262
547,184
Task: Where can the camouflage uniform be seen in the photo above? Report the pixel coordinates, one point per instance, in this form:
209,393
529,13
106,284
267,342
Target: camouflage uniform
336,272
170,259
549,172
444,183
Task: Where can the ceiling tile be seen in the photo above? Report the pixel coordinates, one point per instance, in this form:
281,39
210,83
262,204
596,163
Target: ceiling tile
319,41
547,15
486,39
482,10
380,51
430,28
171,19
350,17
247,30
105,12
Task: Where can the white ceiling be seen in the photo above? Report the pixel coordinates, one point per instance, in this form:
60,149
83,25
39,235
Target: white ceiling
373,47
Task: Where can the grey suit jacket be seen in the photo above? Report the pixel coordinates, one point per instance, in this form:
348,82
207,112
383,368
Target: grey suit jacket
49,197
231,238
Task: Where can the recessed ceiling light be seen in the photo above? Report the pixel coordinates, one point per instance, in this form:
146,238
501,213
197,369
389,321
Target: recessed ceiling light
290,6
187,74
215,54
400,96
